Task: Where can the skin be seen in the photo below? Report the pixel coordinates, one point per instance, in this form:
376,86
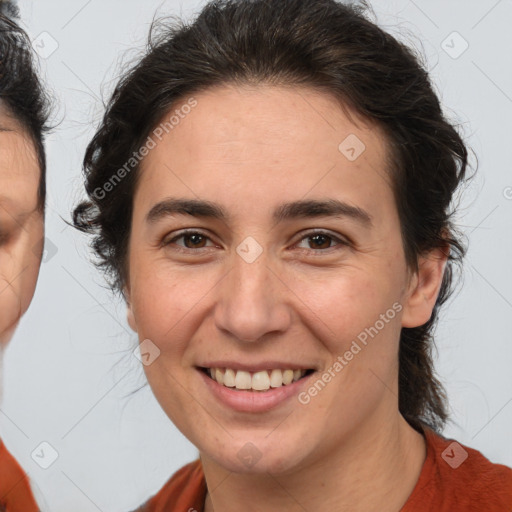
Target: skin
251,149
21,224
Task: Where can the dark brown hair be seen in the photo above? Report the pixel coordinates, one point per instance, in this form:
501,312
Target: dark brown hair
21,90
323,44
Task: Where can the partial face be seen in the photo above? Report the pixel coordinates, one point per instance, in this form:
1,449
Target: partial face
21,224
269,294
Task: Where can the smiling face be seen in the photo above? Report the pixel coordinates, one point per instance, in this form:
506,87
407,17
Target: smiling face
258,286
21,224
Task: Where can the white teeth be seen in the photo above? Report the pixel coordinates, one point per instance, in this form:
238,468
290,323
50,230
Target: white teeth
219,376
276,378
243,380
258,381
287,377
229,378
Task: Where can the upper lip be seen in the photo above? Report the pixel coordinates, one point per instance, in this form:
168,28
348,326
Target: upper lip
256,367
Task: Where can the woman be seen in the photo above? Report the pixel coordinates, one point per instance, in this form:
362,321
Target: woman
23,117
270,190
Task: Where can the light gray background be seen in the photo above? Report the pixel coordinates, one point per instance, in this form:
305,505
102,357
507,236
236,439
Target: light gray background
69,369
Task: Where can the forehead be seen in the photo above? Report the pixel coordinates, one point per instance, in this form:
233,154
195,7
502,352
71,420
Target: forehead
228,113
266,140
19,168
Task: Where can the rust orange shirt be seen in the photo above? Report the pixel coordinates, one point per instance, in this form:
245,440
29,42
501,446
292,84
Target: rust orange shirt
454,478
15,493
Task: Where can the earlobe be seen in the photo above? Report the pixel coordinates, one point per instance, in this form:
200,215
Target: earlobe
424,288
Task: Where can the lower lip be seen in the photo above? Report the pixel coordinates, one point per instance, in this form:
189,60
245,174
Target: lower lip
253,401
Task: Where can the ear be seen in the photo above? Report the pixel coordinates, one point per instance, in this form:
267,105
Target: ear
129,309
424,286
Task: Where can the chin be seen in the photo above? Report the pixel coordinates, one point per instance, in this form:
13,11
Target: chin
273,464
257,456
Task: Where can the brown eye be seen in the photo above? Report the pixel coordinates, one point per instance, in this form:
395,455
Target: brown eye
196,240
191,240
320,241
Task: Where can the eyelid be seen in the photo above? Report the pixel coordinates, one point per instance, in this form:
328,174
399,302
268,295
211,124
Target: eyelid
184,232
338,238
343,241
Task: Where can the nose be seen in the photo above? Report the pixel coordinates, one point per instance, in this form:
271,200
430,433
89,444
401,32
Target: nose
252,301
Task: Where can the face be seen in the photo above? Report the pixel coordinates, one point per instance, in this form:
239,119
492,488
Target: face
294,289
21,224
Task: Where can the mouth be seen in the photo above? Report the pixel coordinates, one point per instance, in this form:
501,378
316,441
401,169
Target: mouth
260,381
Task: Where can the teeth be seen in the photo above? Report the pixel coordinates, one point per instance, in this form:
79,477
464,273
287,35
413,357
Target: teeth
243,380
258,381
219,375
276,378
287,377
229,378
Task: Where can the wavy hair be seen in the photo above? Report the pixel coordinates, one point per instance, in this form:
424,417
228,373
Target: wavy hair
21,90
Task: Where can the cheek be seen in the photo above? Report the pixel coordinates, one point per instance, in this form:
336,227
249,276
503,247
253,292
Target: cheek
29,263
342,304
12,286
19,269
16,292
356,316
10,306
157,303
164,306
164,313
28,283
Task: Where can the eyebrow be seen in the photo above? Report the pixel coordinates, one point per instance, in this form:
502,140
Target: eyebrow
287,211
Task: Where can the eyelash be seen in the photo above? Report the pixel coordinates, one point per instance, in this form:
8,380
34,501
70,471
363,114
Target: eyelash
311,234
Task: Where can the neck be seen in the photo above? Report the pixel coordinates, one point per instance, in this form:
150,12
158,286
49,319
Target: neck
374,470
